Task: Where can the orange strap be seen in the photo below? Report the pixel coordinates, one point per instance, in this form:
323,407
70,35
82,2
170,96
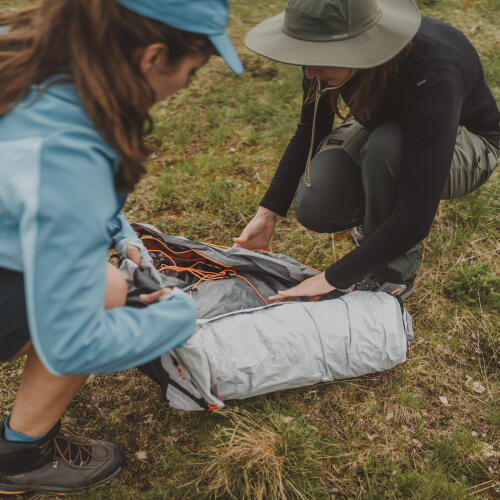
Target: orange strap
154,245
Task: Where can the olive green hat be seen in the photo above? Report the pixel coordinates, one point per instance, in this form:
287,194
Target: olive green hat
340,33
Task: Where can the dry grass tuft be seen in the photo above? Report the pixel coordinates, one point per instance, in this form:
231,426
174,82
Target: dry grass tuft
252,458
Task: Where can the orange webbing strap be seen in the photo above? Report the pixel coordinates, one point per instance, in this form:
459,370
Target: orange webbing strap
154,245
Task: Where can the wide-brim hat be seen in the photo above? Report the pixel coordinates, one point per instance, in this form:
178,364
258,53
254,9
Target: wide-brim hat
339,33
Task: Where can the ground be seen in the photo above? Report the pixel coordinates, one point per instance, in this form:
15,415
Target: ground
426,429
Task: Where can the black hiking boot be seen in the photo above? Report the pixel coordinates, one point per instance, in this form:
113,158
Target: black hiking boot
377,283
358,235
59,463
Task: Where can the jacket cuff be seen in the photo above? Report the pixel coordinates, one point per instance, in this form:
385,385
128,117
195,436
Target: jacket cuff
336,281
121,248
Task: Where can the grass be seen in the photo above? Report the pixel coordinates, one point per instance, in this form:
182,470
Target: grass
475,283
275,456
423,430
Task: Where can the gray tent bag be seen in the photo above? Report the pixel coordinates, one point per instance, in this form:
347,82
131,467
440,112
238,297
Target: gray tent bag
243,347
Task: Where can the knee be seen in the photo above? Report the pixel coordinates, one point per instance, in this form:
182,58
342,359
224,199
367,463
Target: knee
382,151
307,216
116,288
335,194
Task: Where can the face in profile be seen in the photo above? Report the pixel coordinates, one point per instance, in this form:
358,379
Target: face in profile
166,79
331,75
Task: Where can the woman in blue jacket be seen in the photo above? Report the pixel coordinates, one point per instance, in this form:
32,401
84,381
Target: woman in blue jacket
78,80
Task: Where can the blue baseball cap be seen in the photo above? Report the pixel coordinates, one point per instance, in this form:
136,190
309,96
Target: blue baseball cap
208,17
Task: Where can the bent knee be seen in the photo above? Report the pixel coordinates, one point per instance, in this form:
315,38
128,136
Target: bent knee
116,288
383,150
334,198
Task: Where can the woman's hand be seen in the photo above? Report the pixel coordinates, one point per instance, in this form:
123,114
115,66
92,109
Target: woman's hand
257,234
134,254
313,288
151,298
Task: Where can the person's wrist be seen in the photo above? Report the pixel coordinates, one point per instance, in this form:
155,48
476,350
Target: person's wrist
266,214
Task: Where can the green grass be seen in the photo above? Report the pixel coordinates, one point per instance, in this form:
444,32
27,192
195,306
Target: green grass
389,435
475,283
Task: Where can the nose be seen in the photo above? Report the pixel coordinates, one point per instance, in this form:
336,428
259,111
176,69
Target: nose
312,72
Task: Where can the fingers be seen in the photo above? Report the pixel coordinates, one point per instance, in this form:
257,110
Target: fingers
247,243
151,298
278,298
294,294
134,254
282,296
315,298
239,242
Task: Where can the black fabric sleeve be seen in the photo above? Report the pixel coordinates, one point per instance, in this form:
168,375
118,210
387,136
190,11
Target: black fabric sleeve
430,129
282,189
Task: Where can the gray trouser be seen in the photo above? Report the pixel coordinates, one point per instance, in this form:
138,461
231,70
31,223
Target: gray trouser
354,176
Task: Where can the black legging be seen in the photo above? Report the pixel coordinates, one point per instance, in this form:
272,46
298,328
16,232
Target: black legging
14,331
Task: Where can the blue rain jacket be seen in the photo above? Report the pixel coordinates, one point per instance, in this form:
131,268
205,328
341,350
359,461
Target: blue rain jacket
59,215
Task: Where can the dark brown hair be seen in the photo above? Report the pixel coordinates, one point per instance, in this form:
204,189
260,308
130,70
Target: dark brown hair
370,87
93,43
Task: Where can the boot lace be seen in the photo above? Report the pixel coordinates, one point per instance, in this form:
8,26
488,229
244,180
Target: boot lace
73,450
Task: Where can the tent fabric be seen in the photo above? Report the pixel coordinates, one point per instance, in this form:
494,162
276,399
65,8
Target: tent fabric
244,346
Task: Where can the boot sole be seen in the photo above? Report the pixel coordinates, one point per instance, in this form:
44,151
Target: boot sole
7,489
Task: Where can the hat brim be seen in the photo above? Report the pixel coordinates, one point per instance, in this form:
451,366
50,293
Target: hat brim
225,49
398,24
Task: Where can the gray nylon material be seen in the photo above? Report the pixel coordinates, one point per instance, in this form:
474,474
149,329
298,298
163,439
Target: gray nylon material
243,348
290,345
267,272
148,273
214,298
277,265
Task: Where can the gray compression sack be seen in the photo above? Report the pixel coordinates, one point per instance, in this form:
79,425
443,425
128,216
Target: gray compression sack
251,348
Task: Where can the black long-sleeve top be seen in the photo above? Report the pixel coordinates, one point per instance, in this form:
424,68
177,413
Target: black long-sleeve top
438,87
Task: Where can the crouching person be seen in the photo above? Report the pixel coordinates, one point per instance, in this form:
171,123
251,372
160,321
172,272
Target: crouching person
78,80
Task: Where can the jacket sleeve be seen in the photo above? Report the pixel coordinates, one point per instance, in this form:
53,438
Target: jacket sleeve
123,236
64,241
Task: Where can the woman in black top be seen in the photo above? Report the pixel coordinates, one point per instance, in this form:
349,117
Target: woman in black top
423,126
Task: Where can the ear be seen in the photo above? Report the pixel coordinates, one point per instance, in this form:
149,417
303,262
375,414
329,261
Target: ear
151,55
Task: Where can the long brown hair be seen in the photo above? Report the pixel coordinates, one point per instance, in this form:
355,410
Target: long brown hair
370,87
93,43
